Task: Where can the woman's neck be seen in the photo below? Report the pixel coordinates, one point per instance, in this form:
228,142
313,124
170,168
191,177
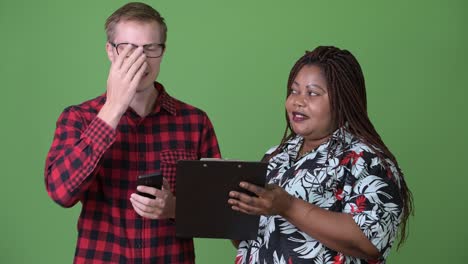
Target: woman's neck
309,145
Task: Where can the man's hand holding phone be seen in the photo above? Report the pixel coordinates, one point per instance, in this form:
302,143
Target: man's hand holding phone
161,206
154,180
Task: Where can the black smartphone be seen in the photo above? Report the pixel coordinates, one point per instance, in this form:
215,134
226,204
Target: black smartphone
152,180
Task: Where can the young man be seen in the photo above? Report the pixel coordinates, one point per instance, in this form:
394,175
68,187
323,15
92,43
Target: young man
102,145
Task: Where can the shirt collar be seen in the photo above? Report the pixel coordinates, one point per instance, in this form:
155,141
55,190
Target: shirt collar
293,145
164,101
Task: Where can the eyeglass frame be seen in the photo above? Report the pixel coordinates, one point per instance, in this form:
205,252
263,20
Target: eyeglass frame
162,45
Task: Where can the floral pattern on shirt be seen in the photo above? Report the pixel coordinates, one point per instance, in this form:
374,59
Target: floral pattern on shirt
354,180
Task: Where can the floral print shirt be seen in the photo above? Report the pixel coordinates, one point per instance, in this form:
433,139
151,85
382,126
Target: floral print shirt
353,180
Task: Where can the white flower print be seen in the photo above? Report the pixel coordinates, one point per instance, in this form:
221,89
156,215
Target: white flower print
353,181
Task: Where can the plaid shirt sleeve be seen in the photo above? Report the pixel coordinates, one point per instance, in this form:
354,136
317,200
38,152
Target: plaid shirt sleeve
74,155
209,145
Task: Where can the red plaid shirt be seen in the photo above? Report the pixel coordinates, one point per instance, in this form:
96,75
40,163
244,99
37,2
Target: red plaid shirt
91,163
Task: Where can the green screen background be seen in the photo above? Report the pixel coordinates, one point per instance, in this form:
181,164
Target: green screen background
232,59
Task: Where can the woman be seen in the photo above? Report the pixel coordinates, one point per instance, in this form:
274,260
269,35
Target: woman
335,192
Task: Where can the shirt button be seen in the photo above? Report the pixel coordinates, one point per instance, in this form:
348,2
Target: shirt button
138,245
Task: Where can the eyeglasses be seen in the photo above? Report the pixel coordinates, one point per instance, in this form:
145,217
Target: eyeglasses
152,50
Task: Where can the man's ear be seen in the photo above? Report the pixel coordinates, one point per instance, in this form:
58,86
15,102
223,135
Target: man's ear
164,52
110,51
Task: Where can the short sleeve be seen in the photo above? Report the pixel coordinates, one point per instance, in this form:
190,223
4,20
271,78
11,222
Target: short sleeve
374,201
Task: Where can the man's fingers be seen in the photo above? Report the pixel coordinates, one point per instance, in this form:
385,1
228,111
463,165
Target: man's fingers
158,202
148,190
137,78
125,74
120,57
135,71
145,214
137,204
166,185
145,204
130,60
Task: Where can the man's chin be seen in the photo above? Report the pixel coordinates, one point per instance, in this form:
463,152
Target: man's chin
145,87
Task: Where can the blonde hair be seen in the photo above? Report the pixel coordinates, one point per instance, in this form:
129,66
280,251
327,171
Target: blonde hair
135,12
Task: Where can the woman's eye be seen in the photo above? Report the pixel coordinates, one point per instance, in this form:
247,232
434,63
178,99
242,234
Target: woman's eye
313,94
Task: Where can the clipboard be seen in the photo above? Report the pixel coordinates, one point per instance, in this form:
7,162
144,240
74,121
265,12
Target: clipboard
202,188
